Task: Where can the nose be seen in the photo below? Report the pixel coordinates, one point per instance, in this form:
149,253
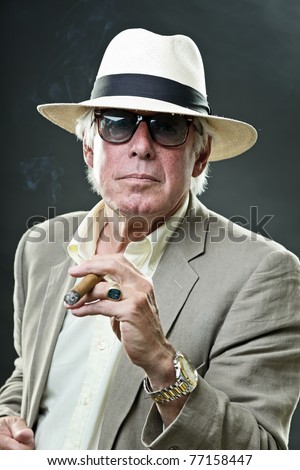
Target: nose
141,143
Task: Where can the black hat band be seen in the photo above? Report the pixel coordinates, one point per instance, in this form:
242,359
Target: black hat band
153,87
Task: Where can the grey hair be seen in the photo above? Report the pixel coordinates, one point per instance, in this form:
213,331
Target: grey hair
199,183
86,129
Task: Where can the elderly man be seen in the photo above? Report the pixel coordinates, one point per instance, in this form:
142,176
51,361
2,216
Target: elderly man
194,313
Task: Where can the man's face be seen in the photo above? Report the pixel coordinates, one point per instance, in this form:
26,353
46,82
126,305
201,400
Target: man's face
141,177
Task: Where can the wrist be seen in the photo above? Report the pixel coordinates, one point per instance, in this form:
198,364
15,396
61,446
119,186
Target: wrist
160,371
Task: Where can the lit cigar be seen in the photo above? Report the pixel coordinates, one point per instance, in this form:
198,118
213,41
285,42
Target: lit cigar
83,287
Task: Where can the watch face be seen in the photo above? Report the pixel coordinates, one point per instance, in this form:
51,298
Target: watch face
188,370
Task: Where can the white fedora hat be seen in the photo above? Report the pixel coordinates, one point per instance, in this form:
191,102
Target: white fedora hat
144,71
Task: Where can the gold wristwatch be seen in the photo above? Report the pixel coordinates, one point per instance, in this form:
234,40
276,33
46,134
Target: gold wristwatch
186,381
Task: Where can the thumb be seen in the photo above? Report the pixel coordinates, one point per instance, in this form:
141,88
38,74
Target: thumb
21,432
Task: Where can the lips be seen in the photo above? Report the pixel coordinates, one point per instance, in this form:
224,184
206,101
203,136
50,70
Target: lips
139,176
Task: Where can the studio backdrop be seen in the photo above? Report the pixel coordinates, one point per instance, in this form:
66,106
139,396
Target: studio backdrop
51,52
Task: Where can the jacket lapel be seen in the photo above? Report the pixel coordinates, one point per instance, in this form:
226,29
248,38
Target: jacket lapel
51,319
173,280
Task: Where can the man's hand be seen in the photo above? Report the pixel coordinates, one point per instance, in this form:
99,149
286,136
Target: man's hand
135,320
134,317
15,435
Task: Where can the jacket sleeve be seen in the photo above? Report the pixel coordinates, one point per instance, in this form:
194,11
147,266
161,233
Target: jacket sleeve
11,391
250,390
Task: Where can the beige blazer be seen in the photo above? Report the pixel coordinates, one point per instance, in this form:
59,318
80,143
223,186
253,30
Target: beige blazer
227,298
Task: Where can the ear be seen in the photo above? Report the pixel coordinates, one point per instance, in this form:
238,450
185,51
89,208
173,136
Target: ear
201,159
88,154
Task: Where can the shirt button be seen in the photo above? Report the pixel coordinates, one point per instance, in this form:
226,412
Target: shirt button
85,401
102,346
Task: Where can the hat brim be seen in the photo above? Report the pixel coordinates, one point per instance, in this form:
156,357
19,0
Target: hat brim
230,137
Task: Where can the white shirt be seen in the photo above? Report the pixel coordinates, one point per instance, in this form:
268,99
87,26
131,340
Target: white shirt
87,352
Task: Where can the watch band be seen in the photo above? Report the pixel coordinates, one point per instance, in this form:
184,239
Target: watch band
166,394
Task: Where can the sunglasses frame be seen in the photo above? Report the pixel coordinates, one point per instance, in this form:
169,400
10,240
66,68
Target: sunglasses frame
139,118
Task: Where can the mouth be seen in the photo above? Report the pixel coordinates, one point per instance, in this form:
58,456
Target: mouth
141,177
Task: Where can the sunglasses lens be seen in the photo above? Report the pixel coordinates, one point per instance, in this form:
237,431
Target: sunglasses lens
169,130
117,126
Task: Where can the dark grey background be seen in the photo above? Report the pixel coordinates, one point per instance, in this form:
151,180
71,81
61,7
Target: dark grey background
51,52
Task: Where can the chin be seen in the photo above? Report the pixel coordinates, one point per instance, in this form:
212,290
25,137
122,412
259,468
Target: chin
139,206
130,203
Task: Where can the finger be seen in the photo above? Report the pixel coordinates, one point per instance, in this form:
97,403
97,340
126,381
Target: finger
9,443
99,292
102,307
132,300
94,294
117,266
103,290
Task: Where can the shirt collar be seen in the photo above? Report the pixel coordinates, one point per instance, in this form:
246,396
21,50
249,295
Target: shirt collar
83,244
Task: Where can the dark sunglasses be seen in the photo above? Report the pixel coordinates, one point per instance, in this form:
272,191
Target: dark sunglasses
117,126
